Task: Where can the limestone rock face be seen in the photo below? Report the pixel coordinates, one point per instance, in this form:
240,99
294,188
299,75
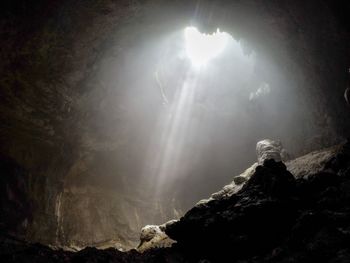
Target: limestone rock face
242,178
269,149
153,236
274,217
312,163
243,220
232,188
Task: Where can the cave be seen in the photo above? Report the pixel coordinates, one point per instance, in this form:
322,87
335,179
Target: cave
175,131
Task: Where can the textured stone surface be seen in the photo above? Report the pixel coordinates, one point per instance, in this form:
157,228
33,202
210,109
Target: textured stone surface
153,236
63,120
269,149
247,223
274,217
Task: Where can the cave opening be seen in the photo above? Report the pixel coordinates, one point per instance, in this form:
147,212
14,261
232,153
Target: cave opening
200,48
117,115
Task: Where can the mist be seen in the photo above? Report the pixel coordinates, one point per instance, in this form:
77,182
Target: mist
187,128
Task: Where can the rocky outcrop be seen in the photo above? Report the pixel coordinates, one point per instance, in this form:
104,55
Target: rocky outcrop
247,223
276,216
153,236
269,149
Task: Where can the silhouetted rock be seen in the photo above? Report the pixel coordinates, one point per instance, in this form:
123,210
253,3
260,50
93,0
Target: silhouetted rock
247,223
274,216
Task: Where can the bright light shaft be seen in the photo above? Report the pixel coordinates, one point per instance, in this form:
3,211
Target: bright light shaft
170,137
201,48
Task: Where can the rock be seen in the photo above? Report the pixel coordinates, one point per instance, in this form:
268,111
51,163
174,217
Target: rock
233,187
239,224
242,178
169,223
239,180
149,232
269,149
153,236
311,163
273,217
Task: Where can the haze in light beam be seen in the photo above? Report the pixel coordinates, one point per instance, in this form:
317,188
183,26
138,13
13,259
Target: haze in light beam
201,48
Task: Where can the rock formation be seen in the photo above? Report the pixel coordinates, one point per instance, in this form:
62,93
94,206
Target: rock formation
293,212
153,236
269,149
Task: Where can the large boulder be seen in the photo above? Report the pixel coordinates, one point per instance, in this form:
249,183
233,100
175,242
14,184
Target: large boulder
153,236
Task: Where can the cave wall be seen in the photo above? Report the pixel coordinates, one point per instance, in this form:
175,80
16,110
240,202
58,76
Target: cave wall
61,123
307,40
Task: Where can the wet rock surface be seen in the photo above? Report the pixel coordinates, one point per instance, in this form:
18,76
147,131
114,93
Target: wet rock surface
276,216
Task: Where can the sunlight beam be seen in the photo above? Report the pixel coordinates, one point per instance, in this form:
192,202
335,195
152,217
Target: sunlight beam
201,48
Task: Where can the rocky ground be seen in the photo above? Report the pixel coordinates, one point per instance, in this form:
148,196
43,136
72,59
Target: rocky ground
293,212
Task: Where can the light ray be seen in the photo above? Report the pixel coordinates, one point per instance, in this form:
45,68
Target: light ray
201,48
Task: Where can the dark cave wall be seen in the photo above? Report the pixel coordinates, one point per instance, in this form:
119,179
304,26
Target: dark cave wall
49,51
16,210
308,41
60,124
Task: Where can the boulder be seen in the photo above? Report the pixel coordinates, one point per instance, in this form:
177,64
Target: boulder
153,236
270,149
